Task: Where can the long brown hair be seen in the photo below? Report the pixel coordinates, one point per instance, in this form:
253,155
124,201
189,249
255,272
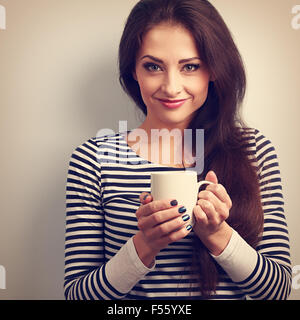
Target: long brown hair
225,150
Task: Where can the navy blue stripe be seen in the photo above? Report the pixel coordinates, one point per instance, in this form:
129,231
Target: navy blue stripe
83,236
125,185
273,211
271,195
268,229
124,177
121,225
119,233
273,245
85,220
85,228
275,237
268,220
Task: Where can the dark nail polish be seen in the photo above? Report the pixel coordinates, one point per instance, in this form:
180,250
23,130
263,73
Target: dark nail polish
145,197
174,203
186,217
189,227
182,210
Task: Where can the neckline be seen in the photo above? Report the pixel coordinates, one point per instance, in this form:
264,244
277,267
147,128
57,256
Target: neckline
146,161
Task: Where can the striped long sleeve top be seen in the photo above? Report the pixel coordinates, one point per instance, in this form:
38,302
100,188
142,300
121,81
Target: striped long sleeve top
105,179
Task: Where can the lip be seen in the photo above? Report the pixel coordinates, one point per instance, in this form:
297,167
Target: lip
172,104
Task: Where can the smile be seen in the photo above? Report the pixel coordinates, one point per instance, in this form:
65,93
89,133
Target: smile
172,104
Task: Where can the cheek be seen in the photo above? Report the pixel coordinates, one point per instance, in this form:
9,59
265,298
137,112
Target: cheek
148,87
199,90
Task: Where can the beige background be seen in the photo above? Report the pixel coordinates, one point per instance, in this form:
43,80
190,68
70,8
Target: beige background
59,86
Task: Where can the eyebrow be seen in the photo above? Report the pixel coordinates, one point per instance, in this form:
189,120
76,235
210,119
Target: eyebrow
161,61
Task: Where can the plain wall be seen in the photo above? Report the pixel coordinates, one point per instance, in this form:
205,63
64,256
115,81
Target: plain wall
59,86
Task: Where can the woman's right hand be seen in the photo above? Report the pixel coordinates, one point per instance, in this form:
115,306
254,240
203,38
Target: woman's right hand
160,222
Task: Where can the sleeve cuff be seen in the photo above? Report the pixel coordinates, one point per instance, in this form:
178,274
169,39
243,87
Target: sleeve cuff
238,259
125,269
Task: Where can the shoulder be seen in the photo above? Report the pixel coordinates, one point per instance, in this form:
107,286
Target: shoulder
93,144
255,138
259,148
114,139
92,150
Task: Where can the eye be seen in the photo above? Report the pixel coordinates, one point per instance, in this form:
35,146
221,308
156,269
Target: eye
191,67
152,67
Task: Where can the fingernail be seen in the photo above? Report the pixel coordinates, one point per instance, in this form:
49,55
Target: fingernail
182,210
189,227
186,217
145,197
174,203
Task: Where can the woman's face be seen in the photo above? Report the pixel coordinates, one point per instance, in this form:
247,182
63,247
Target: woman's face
172,78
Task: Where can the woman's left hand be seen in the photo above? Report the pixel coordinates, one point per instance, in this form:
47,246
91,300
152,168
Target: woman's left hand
211,211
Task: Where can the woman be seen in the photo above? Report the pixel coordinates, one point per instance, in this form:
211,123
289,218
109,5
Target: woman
179,64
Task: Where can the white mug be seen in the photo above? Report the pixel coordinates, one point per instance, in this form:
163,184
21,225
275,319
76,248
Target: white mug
181,186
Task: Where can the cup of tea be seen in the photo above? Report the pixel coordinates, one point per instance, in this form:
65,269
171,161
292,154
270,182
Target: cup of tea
182,186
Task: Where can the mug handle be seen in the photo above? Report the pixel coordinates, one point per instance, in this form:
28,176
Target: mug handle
200,183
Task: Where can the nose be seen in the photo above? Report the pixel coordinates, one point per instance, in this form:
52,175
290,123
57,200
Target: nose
172,84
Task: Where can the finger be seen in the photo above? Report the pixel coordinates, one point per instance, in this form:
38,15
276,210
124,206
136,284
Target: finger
212,215
220,192
211,176
200,216
176,235
166,228
153,206
159,217
145,197
158,205
218,205
217,188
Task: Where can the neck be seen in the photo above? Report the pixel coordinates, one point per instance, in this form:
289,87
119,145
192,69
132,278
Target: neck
149,125
160,145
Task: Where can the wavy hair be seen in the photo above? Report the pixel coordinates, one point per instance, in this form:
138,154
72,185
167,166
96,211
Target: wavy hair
225,150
